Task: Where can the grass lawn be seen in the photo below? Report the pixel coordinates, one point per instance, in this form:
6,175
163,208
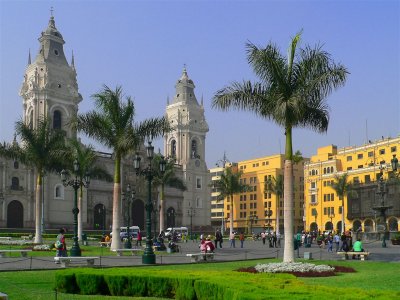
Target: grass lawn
370,276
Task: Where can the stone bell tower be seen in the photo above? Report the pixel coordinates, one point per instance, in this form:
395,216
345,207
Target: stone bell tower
50,88
186,143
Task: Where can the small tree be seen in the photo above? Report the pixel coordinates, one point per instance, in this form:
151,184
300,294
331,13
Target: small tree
43,149
86,157
275,186
342,188
161,180
229,185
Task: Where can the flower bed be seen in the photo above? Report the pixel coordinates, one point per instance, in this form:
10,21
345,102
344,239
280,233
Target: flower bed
298,269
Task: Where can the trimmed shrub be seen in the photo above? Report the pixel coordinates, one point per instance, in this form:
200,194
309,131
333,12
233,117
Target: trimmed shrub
92,284
66,283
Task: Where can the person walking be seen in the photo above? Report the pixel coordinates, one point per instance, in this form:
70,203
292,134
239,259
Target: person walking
61,246
330,243
139,239
232,239
263,237
241,238
336,240
218,239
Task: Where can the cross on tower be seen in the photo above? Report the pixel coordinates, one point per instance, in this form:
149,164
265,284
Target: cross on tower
51,11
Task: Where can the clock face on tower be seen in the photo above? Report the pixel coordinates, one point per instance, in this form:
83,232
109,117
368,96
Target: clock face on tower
197,163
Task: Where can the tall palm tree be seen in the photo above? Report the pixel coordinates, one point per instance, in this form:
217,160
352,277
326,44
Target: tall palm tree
43,149
291,92
86,157
275,186
342,188
229,185
112,124
167,178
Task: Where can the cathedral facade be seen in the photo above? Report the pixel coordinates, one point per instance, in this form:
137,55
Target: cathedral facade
50,89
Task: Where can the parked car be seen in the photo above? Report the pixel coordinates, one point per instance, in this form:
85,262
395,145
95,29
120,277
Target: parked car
133,231
178,230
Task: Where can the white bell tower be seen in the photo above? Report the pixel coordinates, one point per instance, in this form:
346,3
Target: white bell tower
186,143
50,88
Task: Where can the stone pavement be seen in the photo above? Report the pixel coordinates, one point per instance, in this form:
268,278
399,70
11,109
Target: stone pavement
251,250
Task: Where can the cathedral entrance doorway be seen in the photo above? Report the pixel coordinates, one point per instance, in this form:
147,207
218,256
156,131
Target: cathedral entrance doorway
171,217
137,214
15,215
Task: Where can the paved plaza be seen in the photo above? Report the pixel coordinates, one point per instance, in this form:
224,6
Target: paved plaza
251,250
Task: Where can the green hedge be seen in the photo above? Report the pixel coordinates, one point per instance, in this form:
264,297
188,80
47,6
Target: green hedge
200,285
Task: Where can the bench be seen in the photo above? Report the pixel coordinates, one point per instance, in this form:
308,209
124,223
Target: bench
7,238
121,251
196,257
107,244
24,253
26,237
65,261
363,255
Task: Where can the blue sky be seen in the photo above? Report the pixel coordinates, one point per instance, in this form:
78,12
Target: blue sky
143,45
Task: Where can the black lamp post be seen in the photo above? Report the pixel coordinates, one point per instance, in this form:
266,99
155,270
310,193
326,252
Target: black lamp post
252,218
76,184
148,256
155,212
129,196
191,212
268,214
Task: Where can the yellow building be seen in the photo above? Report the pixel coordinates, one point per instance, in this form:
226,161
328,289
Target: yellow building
363,165
258,209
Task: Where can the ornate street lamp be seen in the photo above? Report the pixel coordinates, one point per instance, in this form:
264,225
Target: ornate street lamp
268,214
191,212
76,184
148,256
252,218
155,212
129,196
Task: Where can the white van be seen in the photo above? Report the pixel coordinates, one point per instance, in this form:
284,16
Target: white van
178,230
133,231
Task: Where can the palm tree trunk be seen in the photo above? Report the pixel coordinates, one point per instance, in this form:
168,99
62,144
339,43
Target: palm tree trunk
277,215
161,212
116,241
288,252
38,208
80,214
231,218
343,225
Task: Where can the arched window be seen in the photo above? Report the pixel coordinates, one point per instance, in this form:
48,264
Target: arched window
194,149
173,148
59,191
16,164
324,170
331,169
57,119
15,183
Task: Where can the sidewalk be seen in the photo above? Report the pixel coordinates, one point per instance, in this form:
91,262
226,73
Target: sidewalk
251,250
